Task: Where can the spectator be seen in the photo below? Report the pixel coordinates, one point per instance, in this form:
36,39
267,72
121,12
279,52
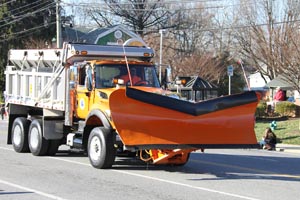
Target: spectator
2,111
279,95
269,140
291,99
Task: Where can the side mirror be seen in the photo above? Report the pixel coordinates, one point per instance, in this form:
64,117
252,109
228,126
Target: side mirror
89,78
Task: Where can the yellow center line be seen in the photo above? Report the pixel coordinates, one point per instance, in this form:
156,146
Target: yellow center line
246,169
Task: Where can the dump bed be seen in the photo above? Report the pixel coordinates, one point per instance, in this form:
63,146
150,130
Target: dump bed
36,78
40,77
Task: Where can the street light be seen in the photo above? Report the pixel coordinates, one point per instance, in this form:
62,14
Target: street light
58,26
160,52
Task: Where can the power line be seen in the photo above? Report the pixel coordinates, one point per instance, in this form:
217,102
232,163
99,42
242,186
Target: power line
28,15
97,6
152,3
31,8
21,17
24,6
41,26
223,28
103,7
7,3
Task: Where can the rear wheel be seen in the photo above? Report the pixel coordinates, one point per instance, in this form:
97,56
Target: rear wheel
20,134
101,150
38,145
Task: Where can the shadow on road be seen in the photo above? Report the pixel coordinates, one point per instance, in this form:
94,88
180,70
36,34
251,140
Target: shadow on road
224,167
218,166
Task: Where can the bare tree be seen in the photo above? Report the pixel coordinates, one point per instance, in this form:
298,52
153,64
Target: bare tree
192,43
142,16
271,42
188,41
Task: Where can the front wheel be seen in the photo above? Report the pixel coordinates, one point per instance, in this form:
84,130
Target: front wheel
37,143
101,150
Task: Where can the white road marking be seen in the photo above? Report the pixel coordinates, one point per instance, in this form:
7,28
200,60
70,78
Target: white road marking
158,179
31,190
137,175
163,180
187,185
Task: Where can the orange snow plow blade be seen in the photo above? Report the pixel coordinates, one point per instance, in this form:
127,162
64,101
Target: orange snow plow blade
151,121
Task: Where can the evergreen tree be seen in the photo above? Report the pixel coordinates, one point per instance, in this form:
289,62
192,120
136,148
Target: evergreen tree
22,21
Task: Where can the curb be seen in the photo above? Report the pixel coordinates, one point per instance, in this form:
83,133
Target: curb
288,148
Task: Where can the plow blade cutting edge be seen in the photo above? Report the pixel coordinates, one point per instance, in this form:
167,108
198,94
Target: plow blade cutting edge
148,120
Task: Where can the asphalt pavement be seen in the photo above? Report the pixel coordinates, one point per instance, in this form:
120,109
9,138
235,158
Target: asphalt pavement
289,148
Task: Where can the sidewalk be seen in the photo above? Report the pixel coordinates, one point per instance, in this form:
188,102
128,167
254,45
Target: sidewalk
288,148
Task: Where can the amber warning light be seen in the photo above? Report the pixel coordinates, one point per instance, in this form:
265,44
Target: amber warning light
84,53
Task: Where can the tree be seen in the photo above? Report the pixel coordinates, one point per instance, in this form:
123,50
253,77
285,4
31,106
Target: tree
23,21
192,43
195,48
271,42
142,16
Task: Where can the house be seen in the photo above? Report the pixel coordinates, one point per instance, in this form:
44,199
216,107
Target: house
256,81
113,35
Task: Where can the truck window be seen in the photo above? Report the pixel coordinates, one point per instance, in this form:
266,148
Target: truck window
89,77
104,74
81,76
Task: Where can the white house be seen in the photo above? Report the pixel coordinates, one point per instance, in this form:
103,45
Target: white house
256,81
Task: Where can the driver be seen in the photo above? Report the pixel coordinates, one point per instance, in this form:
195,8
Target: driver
135,79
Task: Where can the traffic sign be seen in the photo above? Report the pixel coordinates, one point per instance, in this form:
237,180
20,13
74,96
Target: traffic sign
230,70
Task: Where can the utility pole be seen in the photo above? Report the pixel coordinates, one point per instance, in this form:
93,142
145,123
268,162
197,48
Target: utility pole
160,52
58,26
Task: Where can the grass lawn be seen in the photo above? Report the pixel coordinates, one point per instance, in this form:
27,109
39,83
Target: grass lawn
287,131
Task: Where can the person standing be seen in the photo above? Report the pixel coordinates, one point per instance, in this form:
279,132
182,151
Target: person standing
279,95
2,111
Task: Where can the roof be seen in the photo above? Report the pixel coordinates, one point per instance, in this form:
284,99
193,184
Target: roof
102,35
72,35
281,82
197,83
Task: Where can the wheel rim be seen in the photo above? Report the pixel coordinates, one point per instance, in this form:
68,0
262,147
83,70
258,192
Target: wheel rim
34,137
95,148
17,135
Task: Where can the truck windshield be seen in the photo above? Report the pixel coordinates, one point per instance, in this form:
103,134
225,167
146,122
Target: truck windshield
141,75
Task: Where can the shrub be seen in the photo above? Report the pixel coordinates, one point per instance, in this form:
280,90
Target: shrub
261,109
286,108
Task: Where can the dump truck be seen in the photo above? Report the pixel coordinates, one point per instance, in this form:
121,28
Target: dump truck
77,96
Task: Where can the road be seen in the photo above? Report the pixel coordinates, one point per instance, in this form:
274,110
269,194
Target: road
214,174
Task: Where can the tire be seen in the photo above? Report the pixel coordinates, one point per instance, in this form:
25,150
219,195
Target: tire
101,150
38,145
53,147
20,134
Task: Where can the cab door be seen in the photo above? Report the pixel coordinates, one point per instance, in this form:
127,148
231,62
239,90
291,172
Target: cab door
84,91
